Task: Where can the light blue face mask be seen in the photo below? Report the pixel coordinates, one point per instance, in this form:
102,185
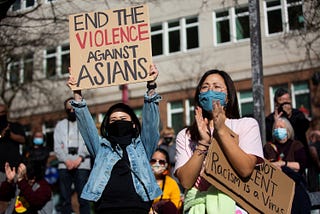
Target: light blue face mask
38,141
280,133
206,98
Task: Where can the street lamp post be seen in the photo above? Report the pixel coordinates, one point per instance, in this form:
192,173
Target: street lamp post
256,63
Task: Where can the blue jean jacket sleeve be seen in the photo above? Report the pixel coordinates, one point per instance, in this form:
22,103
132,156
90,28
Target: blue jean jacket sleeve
87,126
150,123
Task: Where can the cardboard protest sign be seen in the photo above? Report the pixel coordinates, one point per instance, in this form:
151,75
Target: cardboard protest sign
268,190
110,47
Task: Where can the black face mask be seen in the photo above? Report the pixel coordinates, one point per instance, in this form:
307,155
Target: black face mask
71,116
3,121
120,132
167,140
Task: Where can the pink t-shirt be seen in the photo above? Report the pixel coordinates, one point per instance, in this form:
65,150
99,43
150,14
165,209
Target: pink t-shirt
249,142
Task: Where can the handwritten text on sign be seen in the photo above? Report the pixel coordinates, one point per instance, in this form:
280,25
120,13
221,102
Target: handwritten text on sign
110,47
268,190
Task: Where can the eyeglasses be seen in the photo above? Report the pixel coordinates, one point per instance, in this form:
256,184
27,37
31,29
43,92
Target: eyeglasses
215,87
161,162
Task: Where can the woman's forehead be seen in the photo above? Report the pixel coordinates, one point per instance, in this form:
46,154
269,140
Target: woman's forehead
38,134
158,154
119,114
280,123
214,78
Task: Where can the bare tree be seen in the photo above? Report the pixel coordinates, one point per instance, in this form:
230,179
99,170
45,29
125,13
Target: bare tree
4,7
23,34
307,33
26,32
306,37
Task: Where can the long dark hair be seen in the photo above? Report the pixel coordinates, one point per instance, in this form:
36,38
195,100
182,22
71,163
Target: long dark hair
231,109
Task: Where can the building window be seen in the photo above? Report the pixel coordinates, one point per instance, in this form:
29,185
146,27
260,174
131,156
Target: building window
65,59
301,96
157,40
23,4
50,62
242,25
295,14
222,27
274,17
284,15
57,61
232,24
15,72
175,115
21,70
180,114
192,33
28,68
175,36
16,5
189,112
245,103
30,3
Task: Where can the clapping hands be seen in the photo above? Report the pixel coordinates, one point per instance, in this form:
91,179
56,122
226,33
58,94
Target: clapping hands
11,173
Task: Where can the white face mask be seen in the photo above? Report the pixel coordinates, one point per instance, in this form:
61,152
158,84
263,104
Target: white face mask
158,169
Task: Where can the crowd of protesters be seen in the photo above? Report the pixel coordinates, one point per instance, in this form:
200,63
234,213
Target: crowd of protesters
124,167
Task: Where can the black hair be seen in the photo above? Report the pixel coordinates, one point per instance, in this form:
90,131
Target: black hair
35,169
231,109
165,153
122,108
66,101
279,93
44,137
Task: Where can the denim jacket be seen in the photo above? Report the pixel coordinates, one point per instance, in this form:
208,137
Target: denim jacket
139,151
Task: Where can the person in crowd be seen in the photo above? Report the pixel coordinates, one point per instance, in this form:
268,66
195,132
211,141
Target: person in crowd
74,160
217,120
283,108
167,142
170,201
121,180
284,150
28,187
289,155
12,135
39,152
313,135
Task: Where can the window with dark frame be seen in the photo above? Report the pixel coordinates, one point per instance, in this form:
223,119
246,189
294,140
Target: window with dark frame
51,62
242,23
223,27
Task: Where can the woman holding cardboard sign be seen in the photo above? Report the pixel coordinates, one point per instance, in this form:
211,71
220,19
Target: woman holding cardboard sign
121,180
216,121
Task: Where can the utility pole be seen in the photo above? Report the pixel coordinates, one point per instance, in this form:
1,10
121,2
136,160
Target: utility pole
256,64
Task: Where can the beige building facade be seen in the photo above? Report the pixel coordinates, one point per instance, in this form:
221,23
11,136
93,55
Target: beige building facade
188,38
